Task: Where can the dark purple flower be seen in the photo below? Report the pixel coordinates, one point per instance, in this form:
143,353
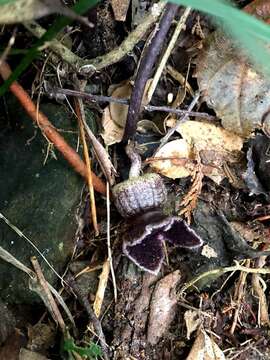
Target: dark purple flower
145,234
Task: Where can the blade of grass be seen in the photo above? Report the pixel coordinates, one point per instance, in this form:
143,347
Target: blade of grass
3,2
223,10
252,34
80,7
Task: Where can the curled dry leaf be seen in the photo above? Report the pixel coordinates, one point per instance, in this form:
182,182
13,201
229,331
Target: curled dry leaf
239,95
119,111
215,145
192,320
163,307
112,133
205,348
115,115
174,160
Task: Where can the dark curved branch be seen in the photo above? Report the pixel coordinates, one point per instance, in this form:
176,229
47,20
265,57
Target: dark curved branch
145,69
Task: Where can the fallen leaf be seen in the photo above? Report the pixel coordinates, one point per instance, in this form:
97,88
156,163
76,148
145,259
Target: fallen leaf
175,160
239,95
112,133
114,116
120,8
192,321
162,307
11,348
215,145
204,348
207,136
119,111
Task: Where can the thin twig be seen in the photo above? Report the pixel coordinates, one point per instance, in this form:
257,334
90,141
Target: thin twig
52,306
102,285
165,139
81,118
145,68
92,317
102,156
180,112
21,234
8,47
86,66
263,314
104,99
48,129
109,242
180,26
239,295
263,218
221,271
6,256
176,75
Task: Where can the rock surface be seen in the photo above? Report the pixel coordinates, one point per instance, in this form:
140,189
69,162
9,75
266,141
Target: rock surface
40,199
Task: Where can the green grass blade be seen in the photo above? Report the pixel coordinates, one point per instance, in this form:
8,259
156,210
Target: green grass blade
226,12
4,2
251,34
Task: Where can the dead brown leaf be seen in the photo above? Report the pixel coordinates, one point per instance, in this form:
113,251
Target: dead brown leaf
174,159
204,348
120,8
119,111
207,136
238,94
163,307
112,133
215,145
192,321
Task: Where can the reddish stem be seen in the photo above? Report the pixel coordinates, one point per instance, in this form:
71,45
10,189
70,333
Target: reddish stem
49,131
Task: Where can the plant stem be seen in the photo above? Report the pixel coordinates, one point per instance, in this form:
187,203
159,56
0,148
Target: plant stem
145,68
